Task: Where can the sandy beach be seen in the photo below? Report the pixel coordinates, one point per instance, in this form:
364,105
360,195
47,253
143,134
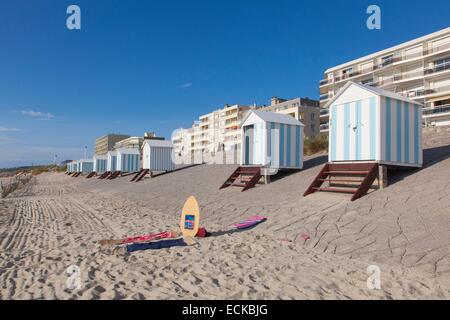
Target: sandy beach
55,220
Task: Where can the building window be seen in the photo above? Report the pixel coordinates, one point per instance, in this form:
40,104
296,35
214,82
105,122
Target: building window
367,82
313,128
313,116
387,60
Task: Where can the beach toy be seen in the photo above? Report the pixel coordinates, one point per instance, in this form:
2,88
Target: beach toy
250,222
190,219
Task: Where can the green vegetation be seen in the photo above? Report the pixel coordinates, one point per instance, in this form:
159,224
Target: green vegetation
317,145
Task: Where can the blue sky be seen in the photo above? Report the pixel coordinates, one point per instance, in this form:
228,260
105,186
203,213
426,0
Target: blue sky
140,66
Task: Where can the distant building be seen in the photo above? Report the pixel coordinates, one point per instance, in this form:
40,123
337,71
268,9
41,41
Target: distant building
213,132
303,109
129,143
106,143
181,139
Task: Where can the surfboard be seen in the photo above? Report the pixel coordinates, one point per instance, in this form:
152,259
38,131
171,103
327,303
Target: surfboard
250,222
190,218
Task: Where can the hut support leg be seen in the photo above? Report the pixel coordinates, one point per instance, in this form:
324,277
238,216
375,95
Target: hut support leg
382,177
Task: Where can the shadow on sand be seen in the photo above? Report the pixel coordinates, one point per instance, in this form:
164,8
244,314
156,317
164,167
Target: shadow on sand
431,157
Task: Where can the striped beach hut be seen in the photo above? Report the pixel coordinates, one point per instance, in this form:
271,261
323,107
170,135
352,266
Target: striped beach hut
373,125
85,166
111,163
72,167
100,163
158,155
271,140
128,160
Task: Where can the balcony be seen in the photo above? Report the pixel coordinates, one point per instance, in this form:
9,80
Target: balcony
324,82
437,69
324,112
324,127
407,57
324,97
408,76
437,111
437,49
424,92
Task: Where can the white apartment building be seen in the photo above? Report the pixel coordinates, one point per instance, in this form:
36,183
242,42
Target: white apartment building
181,139
418,69
213,132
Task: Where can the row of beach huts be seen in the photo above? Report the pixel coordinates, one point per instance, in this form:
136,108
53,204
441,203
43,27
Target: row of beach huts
371,130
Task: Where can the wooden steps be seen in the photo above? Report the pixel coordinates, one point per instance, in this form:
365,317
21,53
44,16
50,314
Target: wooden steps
105,175
114,175
90,175
140,175
76,174
352,178
244,177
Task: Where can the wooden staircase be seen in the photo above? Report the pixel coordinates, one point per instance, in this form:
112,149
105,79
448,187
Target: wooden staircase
140,175
90,175
105,175
245,177
76,174
114,175
352,178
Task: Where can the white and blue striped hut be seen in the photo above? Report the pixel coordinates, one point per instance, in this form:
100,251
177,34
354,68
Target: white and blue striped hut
111,164
85,166
128,160
271,140
72,167
158,155
373,125
100,163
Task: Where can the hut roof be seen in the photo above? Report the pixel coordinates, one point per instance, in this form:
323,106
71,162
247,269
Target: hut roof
273,117
376,91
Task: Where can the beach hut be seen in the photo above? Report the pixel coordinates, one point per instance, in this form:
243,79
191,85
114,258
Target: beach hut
128,160
157,155
269,142
370,129
100,163
111,164
85,166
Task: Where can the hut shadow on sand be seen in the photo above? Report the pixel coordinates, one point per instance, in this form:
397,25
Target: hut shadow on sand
431,157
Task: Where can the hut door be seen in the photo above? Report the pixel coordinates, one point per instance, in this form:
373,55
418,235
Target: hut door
248,145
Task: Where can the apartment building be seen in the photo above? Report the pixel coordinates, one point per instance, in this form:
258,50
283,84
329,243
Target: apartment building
418,69
303,109
129,143
181,139
106,143
215,131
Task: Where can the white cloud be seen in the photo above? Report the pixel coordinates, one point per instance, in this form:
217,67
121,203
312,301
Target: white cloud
186,85
4,129
37,114
4,140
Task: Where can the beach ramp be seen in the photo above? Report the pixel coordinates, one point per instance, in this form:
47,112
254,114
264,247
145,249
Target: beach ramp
245,177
